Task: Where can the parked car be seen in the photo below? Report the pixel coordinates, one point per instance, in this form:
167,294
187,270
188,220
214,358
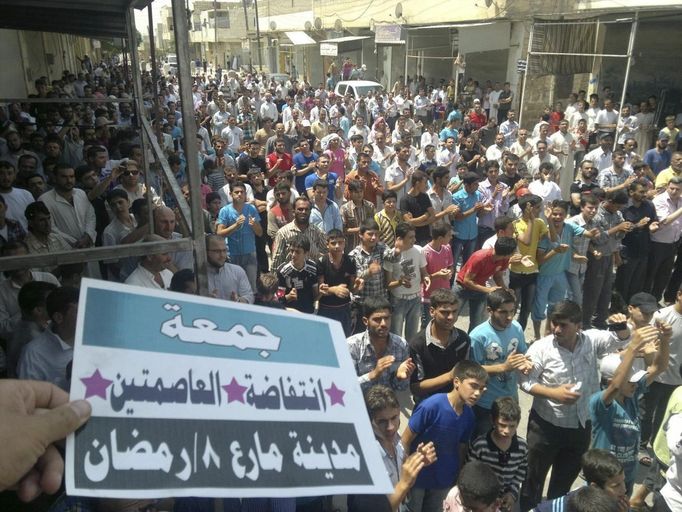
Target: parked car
357,88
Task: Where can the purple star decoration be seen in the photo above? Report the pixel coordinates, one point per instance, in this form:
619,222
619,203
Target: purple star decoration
235,391
335,394
96,385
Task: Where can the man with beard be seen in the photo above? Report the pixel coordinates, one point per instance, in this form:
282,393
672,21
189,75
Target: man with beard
73,215
299,226
16,199
252,160
15,149
225,280
585,184
278,161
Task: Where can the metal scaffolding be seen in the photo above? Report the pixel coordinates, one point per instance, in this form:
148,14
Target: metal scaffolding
119,21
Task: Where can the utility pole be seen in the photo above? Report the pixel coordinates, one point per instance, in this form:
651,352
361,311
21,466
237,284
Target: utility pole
215,34
246,25
260,58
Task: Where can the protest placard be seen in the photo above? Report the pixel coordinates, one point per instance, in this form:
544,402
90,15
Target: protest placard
201,397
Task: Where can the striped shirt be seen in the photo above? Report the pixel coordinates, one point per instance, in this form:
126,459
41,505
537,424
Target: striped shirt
509,465
374,284
365,359
317,239
387,226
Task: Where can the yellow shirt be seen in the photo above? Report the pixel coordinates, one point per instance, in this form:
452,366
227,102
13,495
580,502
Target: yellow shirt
664,177
540,230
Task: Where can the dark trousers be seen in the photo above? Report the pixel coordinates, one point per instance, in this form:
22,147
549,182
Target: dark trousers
676,279
659,504
655,401
553,447
339,313
630,276
597,290
484,232
484,421
661,260
261,254
524,289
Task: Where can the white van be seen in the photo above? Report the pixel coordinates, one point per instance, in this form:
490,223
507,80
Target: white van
170,66
357,88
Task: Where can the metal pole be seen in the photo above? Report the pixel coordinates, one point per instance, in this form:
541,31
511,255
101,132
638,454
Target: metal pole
523,90
215,36
407,52
190,142
139,104
631,45
260,57
152,53
246,27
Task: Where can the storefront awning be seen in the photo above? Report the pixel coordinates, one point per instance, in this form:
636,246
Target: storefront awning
299,38
345,39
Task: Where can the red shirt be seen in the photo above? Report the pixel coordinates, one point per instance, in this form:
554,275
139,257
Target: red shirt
477,120
481,264
285,165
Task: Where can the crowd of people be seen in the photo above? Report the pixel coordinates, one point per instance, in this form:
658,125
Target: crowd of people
394,214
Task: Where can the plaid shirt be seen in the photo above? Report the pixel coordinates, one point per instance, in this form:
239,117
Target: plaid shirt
248,125
609,179
553,366
604,220
14,232
317,239
365,360
375,285
353,217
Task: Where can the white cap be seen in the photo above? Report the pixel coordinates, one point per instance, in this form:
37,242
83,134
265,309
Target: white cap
610,363
305,122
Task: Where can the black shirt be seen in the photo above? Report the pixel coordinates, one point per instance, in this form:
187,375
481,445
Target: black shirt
580,187
333,276
418,205
636,242
246,163
432,360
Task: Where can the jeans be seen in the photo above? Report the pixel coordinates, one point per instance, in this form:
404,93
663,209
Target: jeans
426,500
339,313
249,263
675,279
556,447
407,316
477,303
464,247
524,289
548,291
575,285
597,291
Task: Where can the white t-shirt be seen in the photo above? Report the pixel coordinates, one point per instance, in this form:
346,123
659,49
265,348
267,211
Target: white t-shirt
409,263
672,374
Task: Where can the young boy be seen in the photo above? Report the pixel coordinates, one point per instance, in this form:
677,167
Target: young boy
504,451
336,280
384,414
600,469
298,277
477,489
615,409
388,218
448,420
266,291
439,265
405,270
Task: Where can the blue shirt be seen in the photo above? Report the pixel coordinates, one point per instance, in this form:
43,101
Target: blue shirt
490,346
435,420
301,161
455,115
559,262
242,240
657,161
448,132
330,219
466,228
616,428
332,177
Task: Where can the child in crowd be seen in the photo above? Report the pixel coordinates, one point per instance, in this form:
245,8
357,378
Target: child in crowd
439,265
299,277
448,421
336,280
504,451
477,489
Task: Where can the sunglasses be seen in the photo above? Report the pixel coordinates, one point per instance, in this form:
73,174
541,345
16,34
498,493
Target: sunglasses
131,173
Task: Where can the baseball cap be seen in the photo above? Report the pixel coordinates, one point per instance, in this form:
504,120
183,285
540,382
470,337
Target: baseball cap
645,302
529,198
610,363
522,192
663,136
305,122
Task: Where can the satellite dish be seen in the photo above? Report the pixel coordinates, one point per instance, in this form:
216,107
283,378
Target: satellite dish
308,25
398,10
338,26
273,26
318,23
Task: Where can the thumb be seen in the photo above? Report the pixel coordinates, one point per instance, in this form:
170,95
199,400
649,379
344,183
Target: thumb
57,423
